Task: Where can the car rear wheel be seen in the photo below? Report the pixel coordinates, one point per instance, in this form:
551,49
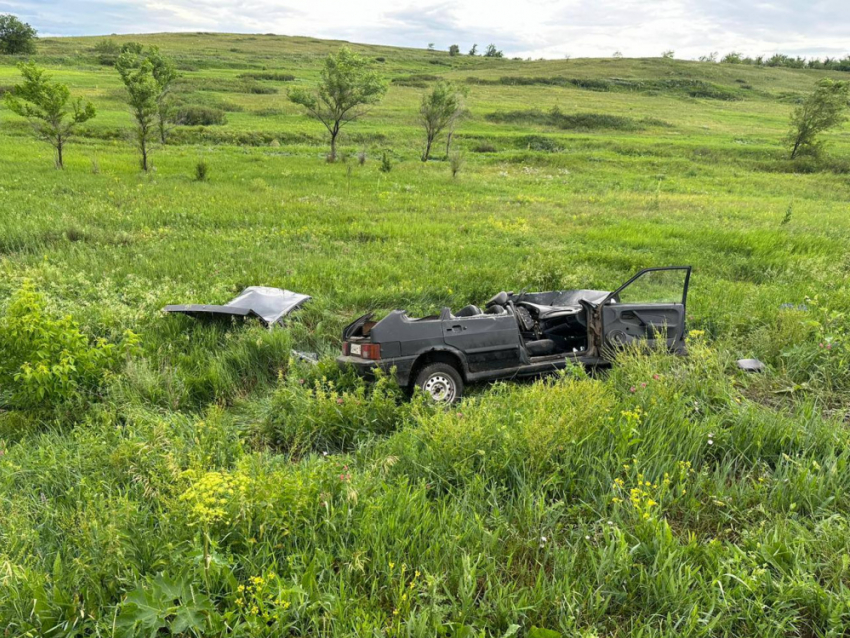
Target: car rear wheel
441,382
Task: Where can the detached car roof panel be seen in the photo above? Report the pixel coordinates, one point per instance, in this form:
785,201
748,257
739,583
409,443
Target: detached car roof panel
269,305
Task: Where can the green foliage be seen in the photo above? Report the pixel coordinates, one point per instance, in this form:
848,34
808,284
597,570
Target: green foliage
199,115
492,52
107,51
165,604
143,91
327,415
107,47
572,121
49,363
456,162
49,107
823,109
202,171
148,76
347,85
16,37
439,108
454,50
276,76
386,163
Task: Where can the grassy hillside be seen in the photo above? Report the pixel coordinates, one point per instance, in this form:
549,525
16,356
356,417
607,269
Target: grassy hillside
196,477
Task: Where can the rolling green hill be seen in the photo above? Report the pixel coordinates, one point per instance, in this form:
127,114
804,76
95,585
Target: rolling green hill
162,474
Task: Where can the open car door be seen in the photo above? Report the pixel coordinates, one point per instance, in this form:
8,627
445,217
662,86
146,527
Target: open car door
649,307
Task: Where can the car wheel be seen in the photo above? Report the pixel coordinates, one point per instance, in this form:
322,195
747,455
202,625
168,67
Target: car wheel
441,382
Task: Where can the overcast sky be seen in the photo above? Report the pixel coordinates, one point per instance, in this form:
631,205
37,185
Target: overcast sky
536,28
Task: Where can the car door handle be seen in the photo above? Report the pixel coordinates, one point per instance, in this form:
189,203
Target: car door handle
456,328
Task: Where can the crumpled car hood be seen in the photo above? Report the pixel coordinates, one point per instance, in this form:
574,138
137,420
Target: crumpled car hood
269,305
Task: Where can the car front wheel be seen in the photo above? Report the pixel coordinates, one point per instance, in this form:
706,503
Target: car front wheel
441,382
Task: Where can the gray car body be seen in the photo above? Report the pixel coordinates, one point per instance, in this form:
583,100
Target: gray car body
493,345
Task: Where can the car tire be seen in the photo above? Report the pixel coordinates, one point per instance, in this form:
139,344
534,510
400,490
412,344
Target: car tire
441,382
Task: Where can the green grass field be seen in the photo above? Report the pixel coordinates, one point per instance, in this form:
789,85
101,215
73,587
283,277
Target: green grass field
200,482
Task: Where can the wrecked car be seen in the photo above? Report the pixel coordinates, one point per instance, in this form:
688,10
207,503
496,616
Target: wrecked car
521,335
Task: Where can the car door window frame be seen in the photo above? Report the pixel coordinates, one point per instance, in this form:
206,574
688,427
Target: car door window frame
643,272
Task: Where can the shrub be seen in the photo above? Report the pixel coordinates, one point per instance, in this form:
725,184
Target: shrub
456,162
202,170
268,75
107,46
47,362
259,89
418,80
538,143
107,51
269,112
484,147
330,415
136,48
197,115
568,121
386,163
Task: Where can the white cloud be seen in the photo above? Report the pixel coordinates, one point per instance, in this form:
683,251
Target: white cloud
535,28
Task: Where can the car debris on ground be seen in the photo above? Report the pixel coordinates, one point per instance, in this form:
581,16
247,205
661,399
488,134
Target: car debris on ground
269,305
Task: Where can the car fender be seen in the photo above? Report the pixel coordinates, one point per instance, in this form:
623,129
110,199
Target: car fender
424,352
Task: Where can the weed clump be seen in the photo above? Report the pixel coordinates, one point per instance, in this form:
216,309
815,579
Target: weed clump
202,171
456,162
484,147
326,410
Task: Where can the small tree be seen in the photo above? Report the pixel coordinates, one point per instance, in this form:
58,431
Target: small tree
439,108
822,110
16,37
668,55
164,72
49,107
474,50
143,92
492,52
454,50
346,87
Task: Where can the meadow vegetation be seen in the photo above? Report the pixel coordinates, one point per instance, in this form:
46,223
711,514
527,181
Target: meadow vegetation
165,476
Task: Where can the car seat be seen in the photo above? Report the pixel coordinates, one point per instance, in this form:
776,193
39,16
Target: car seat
469,311
540,348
